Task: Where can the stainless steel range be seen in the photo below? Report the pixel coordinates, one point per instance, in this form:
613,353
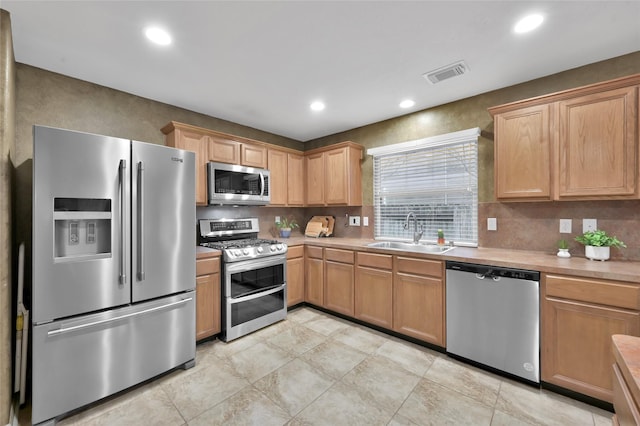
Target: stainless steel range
254,270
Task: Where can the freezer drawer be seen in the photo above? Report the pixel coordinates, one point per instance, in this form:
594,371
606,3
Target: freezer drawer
79,361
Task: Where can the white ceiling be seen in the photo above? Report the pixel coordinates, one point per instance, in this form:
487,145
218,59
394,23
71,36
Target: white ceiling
261,63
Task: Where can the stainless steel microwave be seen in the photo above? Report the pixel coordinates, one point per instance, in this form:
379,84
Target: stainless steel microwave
237,185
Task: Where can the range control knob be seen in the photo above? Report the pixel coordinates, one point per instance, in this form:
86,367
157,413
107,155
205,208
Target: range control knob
272,248
259,249
236,253
279,246
245,252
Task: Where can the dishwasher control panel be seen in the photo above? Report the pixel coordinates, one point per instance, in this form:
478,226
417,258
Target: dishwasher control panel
489,271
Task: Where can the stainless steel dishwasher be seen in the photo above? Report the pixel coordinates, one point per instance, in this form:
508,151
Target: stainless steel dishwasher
493,317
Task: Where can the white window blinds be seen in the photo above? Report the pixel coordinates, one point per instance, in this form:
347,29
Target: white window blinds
437,179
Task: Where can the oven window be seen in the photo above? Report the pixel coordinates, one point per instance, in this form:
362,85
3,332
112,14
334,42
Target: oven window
256,280
252,309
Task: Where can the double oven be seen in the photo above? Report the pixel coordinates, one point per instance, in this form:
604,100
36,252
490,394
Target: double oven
254,288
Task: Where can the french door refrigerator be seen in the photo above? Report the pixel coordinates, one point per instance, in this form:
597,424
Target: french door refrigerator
113,300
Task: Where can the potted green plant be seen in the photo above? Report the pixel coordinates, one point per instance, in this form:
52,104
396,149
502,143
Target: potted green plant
563,249
598,244
286,225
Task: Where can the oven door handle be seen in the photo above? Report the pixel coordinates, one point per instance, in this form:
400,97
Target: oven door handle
257,295
248,265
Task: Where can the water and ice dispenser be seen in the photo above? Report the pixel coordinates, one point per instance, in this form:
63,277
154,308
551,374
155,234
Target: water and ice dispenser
82,228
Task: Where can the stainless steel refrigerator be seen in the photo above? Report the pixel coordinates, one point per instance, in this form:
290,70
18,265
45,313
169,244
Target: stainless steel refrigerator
113,300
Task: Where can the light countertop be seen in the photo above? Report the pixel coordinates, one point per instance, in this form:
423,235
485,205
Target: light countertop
522,259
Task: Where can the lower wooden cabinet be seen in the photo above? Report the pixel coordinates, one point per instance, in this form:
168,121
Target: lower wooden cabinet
314,275
418,305
295,275
373,289
578,318
338,283
625,380
207,297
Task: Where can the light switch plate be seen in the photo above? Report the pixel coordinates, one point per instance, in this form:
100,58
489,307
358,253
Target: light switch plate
565,226
589,225
492,224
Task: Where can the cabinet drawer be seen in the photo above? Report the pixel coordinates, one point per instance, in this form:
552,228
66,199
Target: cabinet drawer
314,252
207,266
296,251
612,293
337,255
378,261
419,266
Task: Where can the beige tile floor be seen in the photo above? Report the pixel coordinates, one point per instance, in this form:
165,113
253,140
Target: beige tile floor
315,369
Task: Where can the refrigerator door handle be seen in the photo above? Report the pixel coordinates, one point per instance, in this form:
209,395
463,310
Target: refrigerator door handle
123,214
106,320
140,221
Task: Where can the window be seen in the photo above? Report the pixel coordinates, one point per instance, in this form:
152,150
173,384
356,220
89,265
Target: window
437,179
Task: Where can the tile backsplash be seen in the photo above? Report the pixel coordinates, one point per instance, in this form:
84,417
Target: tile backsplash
536,226
520,226
267,215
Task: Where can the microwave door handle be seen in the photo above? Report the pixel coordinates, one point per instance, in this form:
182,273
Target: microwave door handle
261,184
140,209
123,235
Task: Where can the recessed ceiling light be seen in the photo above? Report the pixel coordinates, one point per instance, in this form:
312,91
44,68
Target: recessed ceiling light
407,103
528,23
317,106
158,36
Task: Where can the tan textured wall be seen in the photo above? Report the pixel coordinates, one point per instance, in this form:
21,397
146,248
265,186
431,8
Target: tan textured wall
7,138
469,113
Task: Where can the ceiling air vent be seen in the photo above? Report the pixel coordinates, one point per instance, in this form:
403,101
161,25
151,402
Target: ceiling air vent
453,70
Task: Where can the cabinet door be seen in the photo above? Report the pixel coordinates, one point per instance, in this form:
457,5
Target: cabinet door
278,177
224,150
338,288
314,283
598,145
253,156
336,180
576,348
207,305
295,179
315,179
295,281
418,307
374,296
198,143
523,154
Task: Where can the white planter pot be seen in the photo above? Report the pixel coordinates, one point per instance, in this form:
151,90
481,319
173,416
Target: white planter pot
597,253
563,253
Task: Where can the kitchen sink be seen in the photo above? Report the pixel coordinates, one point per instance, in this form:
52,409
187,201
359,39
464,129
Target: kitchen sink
417,248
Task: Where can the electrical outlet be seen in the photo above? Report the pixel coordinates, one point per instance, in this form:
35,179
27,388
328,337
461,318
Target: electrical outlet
277,219
589,225
565,226
365,220
354,220
492,224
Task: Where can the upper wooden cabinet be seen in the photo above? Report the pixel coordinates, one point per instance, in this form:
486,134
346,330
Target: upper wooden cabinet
598,144
523,151
253,156
224,150
334,175
190,140
287,178
579,144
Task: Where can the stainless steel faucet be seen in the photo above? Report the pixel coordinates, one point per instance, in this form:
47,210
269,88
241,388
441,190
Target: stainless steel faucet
416,235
